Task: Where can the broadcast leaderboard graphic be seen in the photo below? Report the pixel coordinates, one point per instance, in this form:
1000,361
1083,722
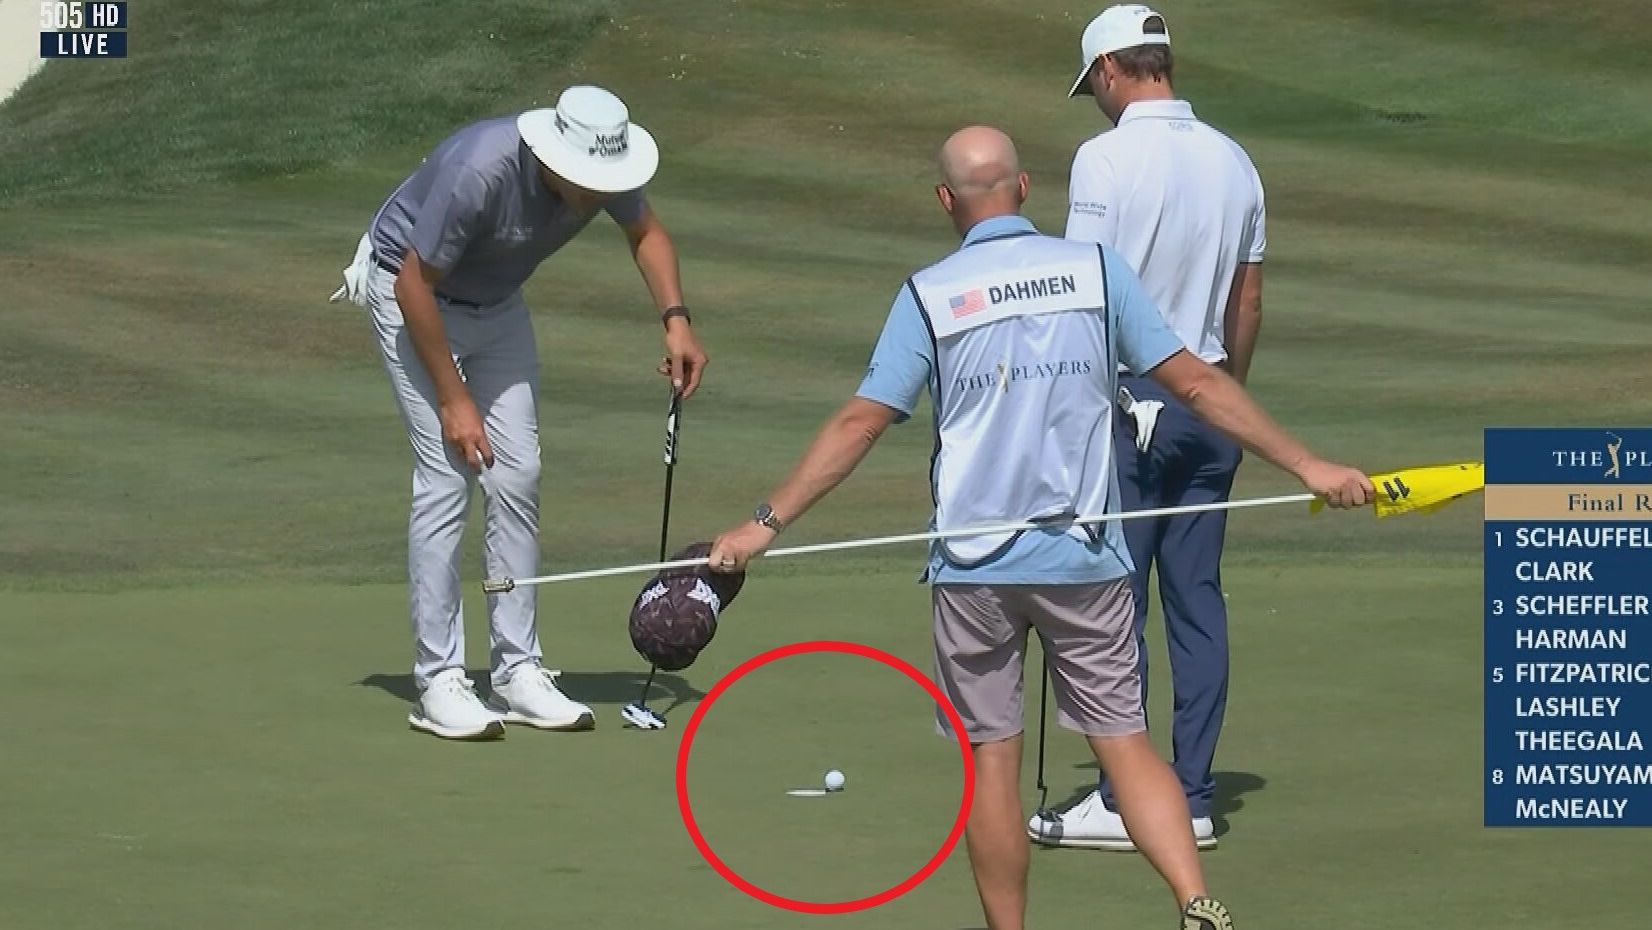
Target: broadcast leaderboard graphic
1568,627
82,30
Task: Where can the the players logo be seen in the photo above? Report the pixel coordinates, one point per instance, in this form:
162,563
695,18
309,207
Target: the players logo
1612,447
1608,456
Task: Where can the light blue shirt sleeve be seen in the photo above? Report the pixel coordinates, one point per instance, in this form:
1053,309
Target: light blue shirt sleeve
1145,340
903,362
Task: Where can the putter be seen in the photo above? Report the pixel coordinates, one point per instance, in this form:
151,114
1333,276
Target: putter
638,713
1043,813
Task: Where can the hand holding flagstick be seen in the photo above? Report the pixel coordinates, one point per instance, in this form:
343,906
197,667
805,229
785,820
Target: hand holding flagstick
1423,489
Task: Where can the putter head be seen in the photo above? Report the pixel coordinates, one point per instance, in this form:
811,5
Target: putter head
498,586
642,717
1049,823
1045,812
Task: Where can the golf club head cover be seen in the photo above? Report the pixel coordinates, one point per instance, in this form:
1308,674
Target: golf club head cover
675,616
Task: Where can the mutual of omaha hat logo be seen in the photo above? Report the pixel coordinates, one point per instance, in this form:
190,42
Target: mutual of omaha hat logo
608,144
600,145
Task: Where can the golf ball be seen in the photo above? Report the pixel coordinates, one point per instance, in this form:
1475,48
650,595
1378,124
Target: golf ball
834,780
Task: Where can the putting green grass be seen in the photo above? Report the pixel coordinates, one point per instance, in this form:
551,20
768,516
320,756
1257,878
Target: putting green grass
201,537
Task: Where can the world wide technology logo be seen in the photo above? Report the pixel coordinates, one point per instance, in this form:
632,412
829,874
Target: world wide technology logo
78,29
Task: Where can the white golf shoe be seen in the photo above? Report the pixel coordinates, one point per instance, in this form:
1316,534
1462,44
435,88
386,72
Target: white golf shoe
531,697
1089,824
449,708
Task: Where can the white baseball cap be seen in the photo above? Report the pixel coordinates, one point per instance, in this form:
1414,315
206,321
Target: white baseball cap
1117,27
588,139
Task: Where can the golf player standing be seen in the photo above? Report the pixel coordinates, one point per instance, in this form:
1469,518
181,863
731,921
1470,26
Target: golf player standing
1017,337
1183,204
441,269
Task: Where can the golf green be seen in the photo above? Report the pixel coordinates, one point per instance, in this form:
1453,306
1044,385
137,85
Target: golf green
201,536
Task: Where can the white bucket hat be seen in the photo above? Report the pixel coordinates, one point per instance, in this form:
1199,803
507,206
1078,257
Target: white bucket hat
1114,29
588,139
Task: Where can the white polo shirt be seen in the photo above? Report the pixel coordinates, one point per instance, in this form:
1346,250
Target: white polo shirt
1182,203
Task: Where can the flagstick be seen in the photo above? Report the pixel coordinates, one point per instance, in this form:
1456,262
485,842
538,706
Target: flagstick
495,586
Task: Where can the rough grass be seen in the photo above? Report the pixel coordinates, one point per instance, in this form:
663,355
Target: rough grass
226,90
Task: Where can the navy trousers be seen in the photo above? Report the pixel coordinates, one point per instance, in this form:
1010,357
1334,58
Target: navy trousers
1188,462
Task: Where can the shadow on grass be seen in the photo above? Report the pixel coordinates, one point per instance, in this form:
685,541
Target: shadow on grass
585,687
1231,787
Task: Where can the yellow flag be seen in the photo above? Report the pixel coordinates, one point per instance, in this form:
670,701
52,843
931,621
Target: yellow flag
1424,489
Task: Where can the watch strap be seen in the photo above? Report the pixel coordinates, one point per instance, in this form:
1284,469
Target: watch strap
765,516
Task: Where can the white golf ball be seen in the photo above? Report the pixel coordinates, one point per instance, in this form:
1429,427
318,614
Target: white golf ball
834,780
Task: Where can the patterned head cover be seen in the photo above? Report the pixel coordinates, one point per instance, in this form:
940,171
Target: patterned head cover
675,616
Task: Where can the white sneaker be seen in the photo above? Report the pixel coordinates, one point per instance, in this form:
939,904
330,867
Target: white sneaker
449,708
531,697
1089,824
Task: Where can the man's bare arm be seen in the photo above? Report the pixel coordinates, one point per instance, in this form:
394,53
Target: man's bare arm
1243,321
656,258
416,295
838,448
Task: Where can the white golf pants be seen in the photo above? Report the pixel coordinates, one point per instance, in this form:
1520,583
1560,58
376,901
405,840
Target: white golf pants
494,350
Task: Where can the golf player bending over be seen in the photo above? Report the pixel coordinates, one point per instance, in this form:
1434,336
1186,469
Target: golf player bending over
441,269
1017,336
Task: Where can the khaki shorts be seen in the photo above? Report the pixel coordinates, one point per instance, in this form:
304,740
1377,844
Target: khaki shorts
981,647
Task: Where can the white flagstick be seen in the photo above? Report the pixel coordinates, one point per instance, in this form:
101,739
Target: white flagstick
496,586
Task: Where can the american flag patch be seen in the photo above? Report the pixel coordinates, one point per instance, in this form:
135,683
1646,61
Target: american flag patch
966,303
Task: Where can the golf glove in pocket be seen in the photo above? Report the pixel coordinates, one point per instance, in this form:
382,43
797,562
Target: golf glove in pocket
354,288
1145,413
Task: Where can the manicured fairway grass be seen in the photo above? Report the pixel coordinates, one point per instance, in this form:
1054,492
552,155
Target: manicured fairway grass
201,531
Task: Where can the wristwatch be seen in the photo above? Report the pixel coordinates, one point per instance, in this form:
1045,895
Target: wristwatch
678,310
765,517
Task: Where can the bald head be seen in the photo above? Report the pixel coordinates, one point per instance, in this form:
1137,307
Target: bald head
980,175
978,159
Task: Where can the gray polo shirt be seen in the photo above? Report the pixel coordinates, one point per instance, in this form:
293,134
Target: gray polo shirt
477,209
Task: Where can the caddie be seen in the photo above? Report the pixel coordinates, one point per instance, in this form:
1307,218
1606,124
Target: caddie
1017,338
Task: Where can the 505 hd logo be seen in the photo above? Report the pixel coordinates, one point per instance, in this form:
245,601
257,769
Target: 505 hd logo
79,29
